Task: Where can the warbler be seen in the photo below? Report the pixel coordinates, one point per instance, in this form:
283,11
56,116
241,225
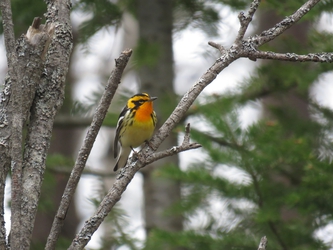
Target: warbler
136,124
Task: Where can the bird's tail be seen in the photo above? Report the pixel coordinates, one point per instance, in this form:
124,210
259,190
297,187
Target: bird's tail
122,158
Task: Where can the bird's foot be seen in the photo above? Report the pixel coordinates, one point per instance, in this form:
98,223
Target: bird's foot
137,155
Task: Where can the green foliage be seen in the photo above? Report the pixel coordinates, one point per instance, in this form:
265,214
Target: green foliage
103,14
198,14
289,185
196,241
203,15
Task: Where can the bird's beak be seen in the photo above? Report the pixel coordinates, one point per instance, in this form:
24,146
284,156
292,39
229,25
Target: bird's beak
152,99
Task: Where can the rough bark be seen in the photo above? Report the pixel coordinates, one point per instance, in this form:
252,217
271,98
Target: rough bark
48,99
34,43
14,125
25,65
5,116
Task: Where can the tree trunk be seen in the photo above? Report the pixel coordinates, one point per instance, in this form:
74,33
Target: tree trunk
155,31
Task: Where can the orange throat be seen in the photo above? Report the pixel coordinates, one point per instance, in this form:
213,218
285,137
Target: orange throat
144,112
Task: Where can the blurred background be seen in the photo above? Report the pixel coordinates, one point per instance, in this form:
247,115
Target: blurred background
265,167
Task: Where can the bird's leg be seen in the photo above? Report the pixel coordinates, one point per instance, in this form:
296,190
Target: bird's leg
137,155
134,152
148,143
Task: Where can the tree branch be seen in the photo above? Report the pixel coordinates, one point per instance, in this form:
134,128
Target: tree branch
49,95
15,121
31,57
292,57
217,46
186,145
97,121
5,111
285,24
250,45
25,66
263,243
246,20
8,31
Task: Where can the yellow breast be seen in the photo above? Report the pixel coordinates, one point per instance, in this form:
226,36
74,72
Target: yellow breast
137,133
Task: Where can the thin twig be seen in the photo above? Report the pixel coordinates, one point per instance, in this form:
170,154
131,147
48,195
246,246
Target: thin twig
186,145
245,20
292,57
84,152
217,46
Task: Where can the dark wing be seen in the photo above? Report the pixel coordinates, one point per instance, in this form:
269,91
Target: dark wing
154,118
118,129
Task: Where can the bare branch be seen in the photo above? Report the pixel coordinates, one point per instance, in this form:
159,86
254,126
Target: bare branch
217,46
285,24
8,30
186,145
97,121
246,20
248,48
263,243
292,57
